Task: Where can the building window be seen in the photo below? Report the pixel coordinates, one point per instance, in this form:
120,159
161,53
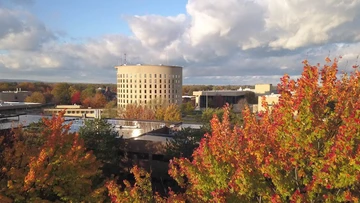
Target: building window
154,75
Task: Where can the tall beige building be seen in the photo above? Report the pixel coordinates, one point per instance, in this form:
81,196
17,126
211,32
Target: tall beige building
148,84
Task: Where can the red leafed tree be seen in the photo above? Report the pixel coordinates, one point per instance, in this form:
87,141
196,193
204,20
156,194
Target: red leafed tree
49,166
87,102
305,149
76,98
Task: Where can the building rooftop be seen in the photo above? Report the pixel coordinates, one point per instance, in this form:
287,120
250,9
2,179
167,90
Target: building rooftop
127,129
7,106
157,65
220,92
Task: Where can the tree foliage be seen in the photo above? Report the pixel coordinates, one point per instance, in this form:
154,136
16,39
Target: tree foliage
140,192
306,149
36,97
54,168
100,137
134,111
187,108
184,142
76,97
303,150
110,110
61,93
88,93
99,101
161,112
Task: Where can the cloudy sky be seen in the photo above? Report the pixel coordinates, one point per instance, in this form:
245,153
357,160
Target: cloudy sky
217,42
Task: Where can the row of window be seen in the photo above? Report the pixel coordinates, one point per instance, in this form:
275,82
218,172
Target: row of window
126,81
145,86
124,102
127,91
140,75
146,96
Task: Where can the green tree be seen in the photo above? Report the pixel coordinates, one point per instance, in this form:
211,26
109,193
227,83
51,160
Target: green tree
187,108
61,93
100,137
87,93
110,110
184,142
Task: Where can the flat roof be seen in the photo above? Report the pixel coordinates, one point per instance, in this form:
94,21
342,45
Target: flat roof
130,129
156,65
220,93
16,105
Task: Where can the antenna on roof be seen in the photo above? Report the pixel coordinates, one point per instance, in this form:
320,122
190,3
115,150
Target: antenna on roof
120,61
124,58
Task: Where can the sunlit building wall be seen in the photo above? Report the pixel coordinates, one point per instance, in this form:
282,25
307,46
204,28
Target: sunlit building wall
148,84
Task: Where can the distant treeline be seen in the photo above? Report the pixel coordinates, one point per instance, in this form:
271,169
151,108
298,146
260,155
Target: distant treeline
88,95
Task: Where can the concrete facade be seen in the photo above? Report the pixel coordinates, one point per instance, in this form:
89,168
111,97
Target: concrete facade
263,88
148,84
18,107
74,111
270,100
218,98
14,96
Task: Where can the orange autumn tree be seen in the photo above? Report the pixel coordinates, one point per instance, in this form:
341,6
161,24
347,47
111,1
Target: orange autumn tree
305,149
50,166
140,192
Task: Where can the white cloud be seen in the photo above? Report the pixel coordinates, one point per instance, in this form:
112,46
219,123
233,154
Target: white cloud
230,42
150,29
20,30
301,23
